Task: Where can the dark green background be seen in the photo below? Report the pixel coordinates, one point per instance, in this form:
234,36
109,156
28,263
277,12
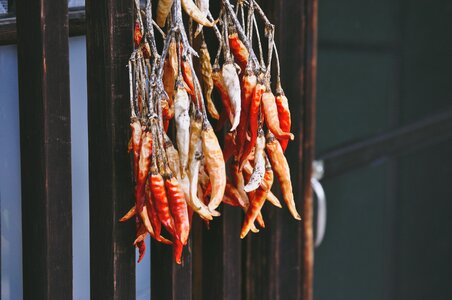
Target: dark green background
384,64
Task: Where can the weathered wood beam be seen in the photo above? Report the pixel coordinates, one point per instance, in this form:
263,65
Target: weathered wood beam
43,59
109,44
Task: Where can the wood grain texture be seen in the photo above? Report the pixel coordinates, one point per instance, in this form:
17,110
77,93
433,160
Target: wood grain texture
212,267
8,28
161,271
279,260
220,274
232,253
309,148
43,59
109,44
197,258
182,275
168,279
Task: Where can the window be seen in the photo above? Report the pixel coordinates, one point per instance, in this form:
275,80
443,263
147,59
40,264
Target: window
76,3
383,129
3,6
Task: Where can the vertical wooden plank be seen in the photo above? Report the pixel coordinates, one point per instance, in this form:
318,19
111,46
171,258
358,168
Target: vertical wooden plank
197,258
232,253
273,241
11,6
168,279
221,256
109,44
182,275
161,271
212,252
307,249
278,262
272,262
217,251
42,28
293,64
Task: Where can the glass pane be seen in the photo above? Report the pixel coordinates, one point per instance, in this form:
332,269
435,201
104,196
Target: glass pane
388,233
358,21
143,274
10,189
76,3
355,92
357,70
384,64
3,6
80,174
380,66
424,209
352,262
80,181
426,48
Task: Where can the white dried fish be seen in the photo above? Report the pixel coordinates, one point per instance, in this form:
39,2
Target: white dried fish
181,106
259,164
232,83
203,6
194,161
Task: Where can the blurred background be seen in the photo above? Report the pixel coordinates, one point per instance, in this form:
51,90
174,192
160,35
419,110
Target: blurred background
384,107
384,134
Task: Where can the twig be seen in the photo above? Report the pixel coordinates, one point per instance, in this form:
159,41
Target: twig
250,22
138,14
159,29
190,31
271,41
150,29
135,98
261,53
219,37
259,11
278,68
242,15
148,90
151,86
163,56
178,24
142,82
146,107
227,51
240,31
132,108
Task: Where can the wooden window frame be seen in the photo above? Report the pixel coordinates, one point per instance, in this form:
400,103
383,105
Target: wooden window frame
8,30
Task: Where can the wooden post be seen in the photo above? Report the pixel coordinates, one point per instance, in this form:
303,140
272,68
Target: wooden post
11,6
42,29
309,147
309,112
220,254
278,262
109,44
217,250
168,279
